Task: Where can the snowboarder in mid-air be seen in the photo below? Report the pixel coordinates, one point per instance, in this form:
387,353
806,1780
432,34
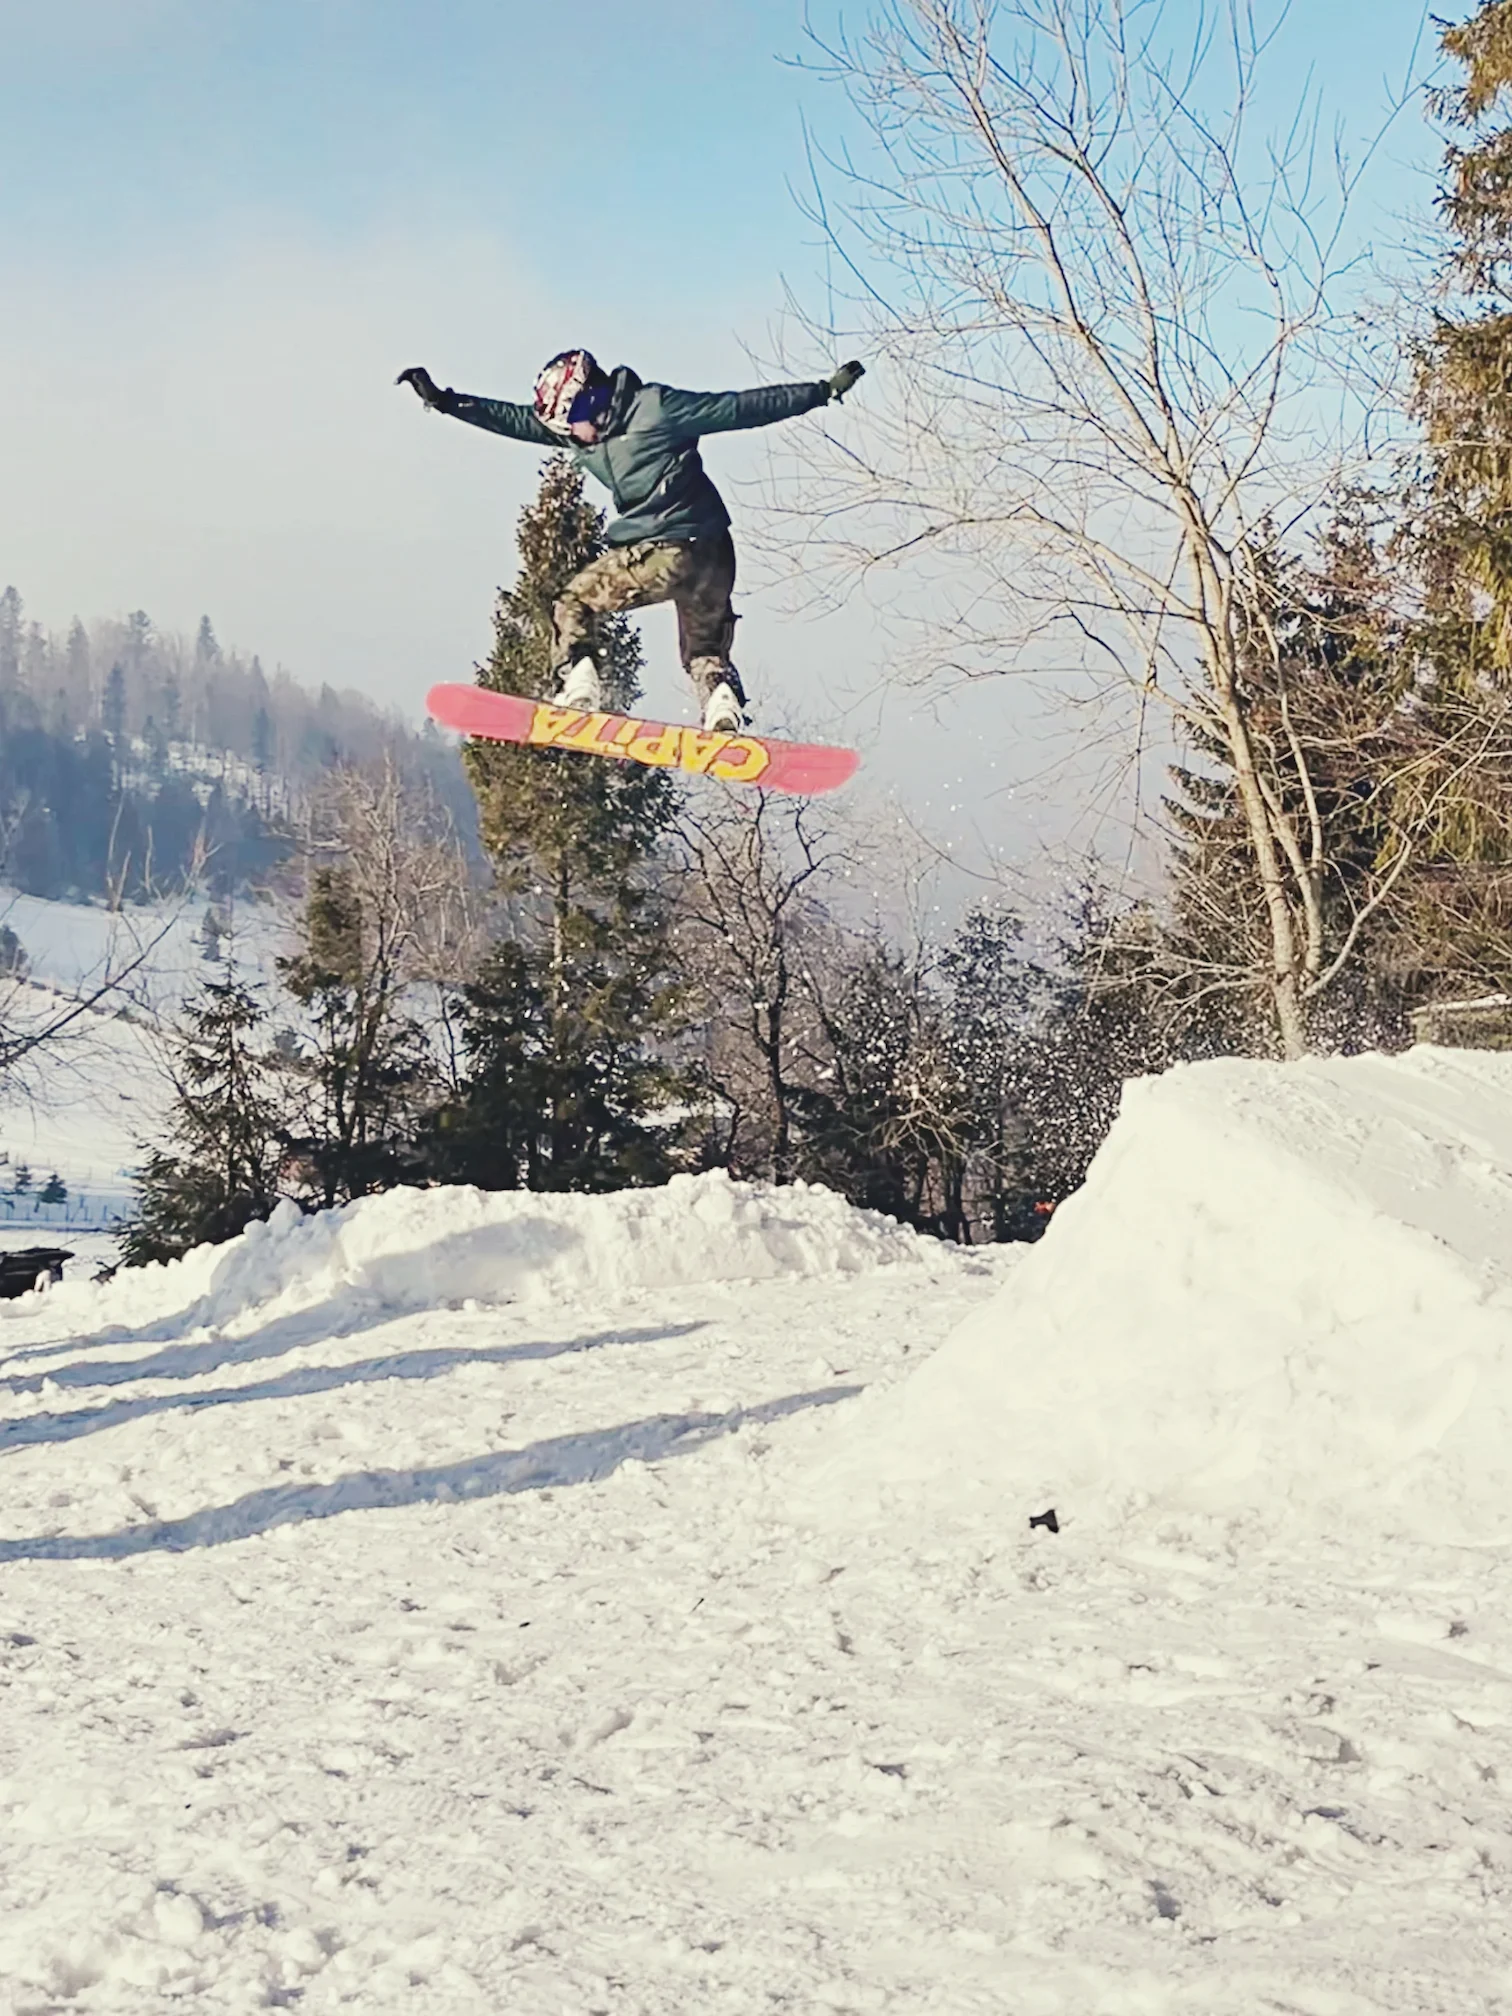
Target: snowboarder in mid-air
671,541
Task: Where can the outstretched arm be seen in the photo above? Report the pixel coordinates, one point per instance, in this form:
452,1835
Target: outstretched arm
499,416
725,412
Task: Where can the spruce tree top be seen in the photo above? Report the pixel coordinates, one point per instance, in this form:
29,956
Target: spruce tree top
545,810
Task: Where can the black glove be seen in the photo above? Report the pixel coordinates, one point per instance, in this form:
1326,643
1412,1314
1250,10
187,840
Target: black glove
423,383
844,378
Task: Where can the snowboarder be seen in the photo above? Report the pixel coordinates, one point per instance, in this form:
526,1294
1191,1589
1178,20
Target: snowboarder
671,542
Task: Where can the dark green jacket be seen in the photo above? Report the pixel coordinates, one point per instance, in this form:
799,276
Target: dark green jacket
647,450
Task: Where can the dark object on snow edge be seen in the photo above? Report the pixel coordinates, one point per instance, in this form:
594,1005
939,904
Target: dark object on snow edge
21,1271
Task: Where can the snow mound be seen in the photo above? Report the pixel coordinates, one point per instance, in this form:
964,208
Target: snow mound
420,1249
1281,1287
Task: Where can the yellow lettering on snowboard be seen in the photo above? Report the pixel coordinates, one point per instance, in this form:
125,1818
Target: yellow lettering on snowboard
548,722
734,759
660,747
585,735
699,750
742,761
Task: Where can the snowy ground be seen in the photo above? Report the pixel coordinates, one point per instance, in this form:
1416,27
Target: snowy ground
84,1112
359,1651
85,1106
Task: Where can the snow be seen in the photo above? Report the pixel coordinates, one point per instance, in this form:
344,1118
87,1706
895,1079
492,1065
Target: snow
84,1111
469,1603
1279,1292
89,1104
418,1249
69,946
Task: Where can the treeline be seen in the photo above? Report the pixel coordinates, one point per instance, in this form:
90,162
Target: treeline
1154,433
1341,838
666,977
131,760
659,981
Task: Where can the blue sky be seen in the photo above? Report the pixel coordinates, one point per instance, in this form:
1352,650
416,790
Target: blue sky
644,145
227,223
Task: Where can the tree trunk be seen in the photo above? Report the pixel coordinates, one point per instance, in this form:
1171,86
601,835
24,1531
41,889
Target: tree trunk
782,1152
1286,957
559,911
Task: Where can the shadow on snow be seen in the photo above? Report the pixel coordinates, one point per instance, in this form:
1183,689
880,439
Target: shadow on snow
583,1458
237,1288
32,1429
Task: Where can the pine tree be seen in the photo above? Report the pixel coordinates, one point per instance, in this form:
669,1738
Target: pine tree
11,630
991,983
207,650
365,1070
888,1121
220,1169
1326,673
113,707
588,990
1460,919
1464,365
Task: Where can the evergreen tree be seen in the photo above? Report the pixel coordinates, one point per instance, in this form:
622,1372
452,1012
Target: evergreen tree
220,1170
1098,1018
365,1071
588,991
888,1124
1459,926
11,630
991,986
113,707
1464,364
207,650
1327,673
173,708
536,1115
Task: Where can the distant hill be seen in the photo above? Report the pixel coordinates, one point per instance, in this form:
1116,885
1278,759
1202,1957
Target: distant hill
123,750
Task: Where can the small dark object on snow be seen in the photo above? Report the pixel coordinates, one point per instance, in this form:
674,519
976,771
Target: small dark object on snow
20,1272
1046,1519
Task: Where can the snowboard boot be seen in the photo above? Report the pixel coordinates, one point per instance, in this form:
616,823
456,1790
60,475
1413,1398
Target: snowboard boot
723,713
581,687
718,686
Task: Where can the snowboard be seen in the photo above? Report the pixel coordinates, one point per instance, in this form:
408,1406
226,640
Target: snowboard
734,759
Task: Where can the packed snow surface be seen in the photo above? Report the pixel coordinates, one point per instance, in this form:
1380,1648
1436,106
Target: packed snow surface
467,1603
1279,1291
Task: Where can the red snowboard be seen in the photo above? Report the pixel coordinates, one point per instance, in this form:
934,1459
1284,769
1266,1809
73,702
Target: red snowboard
733,759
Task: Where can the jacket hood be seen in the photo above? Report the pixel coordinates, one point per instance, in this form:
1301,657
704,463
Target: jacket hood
624,385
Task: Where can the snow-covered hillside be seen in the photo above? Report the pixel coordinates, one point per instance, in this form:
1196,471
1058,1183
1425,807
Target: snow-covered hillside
85,1106
480,1604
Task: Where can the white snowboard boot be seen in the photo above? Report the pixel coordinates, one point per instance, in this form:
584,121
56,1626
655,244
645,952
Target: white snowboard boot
581,687
723,712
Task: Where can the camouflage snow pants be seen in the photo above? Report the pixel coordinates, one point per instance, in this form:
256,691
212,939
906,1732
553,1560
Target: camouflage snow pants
694,575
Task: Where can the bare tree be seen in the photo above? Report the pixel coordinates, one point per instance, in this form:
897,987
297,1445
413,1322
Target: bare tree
1110,313
37,1019
390,913
749,926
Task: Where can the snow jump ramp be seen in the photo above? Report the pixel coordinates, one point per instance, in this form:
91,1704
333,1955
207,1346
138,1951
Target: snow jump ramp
1283,1288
